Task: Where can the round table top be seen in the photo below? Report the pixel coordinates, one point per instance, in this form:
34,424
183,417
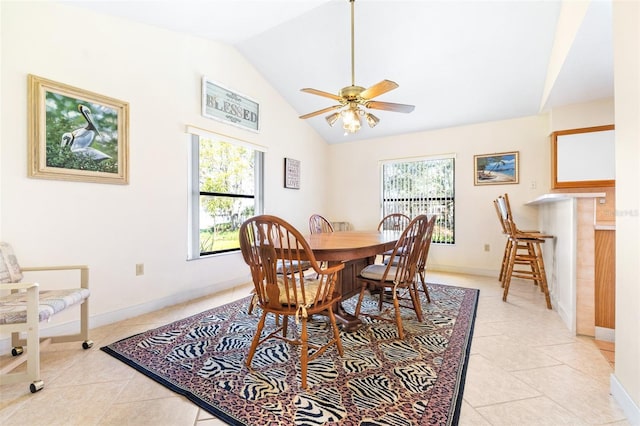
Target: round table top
350,245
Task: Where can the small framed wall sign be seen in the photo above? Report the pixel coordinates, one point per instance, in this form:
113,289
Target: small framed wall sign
291,173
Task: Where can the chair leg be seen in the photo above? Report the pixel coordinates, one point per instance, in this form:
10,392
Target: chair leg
509,271
415,299
535,266
544,285
304,353
396,305
285,324
252,304
336,331
256,339
360,298
505,259
424,286
381,298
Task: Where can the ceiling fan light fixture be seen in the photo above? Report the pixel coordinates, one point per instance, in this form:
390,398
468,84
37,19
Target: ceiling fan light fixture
332,118
372,120
351,119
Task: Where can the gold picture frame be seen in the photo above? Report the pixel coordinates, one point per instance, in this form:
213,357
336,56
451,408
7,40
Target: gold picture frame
496,169
76,135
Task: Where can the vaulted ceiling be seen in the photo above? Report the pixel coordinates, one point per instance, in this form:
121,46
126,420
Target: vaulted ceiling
458,62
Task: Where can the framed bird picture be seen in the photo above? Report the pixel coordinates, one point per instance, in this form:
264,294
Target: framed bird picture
75,134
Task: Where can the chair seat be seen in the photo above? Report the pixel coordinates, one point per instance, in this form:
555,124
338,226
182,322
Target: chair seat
376,272
13,309
285,265
310,290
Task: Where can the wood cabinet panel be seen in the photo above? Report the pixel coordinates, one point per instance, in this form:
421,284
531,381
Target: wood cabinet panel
605,278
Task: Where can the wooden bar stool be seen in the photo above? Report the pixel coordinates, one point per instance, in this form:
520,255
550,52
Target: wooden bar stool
523,254
527,248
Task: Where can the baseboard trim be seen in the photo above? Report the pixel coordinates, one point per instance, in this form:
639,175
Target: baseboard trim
629,407
107,318
463,270
605,334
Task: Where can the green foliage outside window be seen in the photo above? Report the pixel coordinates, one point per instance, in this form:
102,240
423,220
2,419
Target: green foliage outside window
422,187
227,181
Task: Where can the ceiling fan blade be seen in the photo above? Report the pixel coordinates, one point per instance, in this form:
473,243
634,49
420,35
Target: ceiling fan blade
321,93
322,111
388,106
378,89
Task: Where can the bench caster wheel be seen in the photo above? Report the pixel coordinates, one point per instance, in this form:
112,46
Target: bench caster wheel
87,344
36,386
18,350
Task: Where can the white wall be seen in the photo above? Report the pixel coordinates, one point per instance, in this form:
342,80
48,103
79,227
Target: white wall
355,183
113,227
626,36
590,114
560,220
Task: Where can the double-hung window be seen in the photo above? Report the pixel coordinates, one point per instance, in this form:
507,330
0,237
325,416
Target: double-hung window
226,182
422,186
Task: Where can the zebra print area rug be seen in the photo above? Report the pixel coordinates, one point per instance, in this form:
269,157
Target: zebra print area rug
380,380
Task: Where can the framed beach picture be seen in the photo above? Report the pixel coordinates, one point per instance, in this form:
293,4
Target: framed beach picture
75,134
495,169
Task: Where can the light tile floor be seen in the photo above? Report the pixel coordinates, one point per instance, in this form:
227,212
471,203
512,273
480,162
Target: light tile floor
525,368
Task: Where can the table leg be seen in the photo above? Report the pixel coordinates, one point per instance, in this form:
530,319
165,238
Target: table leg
348,286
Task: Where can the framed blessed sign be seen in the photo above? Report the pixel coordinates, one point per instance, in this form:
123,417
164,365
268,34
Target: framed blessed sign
75,134
291,173
226,105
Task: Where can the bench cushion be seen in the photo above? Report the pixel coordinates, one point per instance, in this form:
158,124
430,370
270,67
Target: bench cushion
13,307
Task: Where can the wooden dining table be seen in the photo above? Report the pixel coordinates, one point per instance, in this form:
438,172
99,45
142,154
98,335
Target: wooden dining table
356,249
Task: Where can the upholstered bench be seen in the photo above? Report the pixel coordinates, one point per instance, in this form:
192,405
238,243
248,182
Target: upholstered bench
23,307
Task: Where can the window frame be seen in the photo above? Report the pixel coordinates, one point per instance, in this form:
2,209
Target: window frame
193,249
436,239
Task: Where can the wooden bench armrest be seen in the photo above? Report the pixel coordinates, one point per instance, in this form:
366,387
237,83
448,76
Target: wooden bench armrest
84,271
18,286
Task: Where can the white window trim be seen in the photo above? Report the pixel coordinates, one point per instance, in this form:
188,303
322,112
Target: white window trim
194,133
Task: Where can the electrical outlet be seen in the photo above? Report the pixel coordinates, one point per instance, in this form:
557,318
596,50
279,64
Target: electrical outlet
139,268
487,247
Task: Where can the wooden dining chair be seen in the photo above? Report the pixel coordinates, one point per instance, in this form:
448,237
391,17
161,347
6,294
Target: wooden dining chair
525,249
393,222
399,273
424,254
266,243
318,224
